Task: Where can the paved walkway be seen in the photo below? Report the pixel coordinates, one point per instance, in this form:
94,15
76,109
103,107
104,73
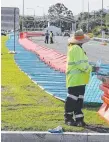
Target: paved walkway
94,50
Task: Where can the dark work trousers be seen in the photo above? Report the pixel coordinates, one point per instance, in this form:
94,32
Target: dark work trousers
74,103
51,40
46,39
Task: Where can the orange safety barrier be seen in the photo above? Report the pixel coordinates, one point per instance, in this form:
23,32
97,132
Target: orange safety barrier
36,34
23,35
51,57
58,61
105,99
104,112
104,109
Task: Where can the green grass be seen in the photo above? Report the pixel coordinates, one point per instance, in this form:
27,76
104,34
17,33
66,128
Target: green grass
26,107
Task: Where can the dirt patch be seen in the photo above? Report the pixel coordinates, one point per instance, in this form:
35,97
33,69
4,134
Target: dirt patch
29,88
7,98
4,88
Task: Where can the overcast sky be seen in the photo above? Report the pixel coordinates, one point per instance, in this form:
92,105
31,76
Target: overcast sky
75,5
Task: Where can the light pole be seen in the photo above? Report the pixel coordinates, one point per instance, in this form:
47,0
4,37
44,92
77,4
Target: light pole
33,15
42,9
43,12
88,18
83,6
102,15
82,13
33,11
23,15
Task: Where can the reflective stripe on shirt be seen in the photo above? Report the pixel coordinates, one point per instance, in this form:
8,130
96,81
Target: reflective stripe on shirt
77,63
74,72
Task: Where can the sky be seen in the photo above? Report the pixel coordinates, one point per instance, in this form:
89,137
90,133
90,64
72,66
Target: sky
76,6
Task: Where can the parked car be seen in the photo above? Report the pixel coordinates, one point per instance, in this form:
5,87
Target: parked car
66,33
3,34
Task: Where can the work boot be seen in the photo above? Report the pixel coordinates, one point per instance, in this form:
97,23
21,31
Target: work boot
70,122
80,123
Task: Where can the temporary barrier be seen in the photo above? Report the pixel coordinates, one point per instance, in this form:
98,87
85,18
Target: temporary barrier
54,59
104,110
23,35
49,56
32,34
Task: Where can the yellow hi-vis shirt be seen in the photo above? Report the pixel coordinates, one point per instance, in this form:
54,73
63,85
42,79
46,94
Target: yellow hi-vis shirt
78,69
51,34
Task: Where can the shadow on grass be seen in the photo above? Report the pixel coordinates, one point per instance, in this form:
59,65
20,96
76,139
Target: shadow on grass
92,106
97,128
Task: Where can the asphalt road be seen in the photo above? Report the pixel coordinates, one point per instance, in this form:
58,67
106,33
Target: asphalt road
94,49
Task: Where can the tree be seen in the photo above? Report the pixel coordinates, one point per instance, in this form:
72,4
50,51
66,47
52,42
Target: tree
20,23
57,9
107,19
59,14
93,21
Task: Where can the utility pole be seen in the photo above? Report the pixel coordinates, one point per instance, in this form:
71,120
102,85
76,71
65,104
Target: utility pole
88,18
82,13
102,15
107,18
33,16
23,16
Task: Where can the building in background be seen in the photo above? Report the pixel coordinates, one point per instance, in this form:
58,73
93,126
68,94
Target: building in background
9,18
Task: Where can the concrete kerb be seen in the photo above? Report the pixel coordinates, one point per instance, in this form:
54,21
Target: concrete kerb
100,39
44,136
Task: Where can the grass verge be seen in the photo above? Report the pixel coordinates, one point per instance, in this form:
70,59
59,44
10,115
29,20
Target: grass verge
26,107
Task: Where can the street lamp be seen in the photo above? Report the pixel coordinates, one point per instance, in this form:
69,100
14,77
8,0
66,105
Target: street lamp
88,18
102,15
82,13
83,6
33,15
42,9
33,11
23,15
43,12
106,17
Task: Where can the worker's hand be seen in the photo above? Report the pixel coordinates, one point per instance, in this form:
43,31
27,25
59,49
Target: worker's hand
95,69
